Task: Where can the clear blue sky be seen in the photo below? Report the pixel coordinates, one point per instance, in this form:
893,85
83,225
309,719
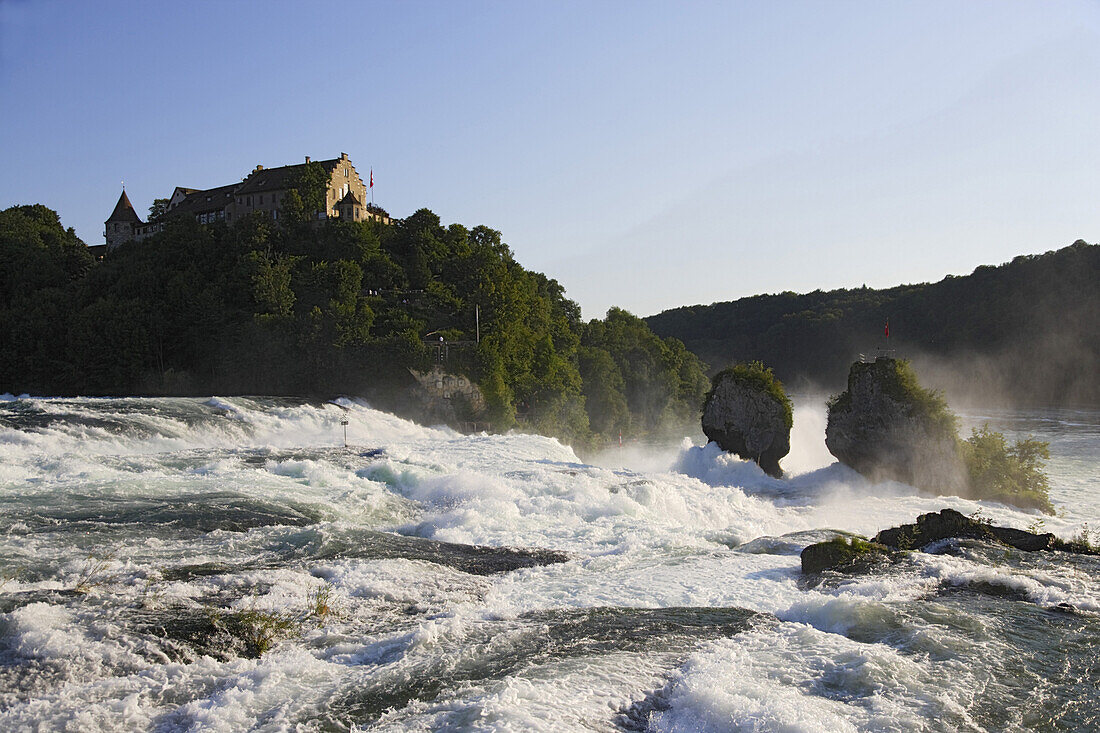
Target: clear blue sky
645,154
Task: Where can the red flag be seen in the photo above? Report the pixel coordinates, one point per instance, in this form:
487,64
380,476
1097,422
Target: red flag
887,328
372,177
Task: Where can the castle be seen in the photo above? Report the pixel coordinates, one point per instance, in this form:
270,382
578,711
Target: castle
261,191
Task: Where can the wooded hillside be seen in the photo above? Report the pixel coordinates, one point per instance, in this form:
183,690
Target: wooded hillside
293,308
1027,331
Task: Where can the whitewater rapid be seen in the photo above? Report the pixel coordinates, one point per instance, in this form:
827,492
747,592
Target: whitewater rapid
650,588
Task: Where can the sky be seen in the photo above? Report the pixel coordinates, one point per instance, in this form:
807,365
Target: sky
646,155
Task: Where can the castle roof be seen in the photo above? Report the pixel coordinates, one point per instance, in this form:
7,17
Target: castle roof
124,211
278,179
200,202
350,198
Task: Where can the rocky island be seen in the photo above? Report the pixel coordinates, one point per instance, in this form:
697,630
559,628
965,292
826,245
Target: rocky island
887,426
748,413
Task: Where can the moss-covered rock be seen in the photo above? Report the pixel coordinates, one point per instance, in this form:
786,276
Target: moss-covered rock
851,554
747,412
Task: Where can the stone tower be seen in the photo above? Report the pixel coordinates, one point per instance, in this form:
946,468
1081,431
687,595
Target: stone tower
119,227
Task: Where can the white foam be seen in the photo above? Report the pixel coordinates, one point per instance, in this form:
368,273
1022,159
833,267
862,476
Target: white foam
663,532
796,678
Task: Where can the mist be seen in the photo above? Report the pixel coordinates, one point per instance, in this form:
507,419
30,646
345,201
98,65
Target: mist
808,451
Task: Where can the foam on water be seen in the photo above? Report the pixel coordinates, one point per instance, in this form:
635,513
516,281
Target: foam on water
121,517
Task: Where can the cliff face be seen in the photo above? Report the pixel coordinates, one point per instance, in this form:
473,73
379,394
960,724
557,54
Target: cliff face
748,421
885,427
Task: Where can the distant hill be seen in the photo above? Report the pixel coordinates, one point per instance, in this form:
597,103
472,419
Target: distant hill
1025,332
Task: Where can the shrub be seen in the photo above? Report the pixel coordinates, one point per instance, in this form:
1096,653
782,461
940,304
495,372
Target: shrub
258,630
1013,475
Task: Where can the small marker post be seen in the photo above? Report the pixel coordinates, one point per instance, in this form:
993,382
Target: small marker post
344,422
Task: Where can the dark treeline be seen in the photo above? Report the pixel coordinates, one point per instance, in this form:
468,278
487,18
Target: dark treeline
1027,331
294,308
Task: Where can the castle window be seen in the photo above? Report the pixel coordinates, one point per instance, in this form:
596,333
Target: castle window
261,199
248,201
345,173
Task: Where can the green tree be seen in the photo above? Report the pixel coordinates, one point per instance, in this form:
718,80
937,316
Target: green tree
158,210
37,251
310,183
1013,474
271,282
603,389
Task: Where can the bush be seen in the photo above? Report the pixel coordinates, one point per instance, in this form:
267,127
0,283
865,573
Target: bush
1013,475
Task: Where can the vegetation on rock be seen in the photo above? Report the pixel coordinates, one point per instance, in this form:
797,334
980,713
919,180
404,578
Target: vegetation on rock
856,553
840,553
993,469
754,374
898,381
747,412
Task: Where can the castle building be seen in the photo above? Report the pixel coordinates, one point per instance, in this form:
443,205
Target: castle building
262,191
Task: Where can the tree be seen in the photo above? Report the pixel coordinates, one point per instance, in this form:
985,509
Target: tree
310,182
37,251
1014,475
158,210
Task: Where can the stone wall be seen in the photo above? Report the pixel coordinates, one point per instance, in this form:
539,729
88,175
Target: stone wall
448,398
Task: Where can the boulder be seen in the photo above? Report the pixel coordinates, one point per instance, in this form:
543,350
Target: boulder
856,555
747,413
950,524
852,555
885,426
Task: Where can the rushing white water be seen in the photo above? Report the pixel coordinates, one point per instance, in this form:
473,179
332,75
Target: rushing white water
142,539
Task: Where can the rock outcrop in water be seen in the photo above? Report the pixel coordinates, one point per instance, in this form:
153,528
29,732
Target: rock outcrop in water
885,426
859,554
950,524
854,554
747,412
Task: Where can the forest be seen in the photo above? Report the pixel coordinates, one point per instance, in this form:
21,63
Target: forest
1025,332
313,310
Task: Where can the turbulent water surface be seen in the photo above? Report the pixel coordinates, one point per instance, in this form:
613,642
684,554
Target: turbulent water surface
227,564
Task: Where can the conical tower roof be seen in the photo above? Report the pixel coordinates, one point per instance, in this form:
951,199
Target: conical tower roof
349,198
124,210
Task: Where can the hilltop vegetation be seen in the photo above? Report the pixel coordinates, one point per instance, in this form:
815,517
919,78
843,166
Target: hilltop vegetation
345,307
1026,330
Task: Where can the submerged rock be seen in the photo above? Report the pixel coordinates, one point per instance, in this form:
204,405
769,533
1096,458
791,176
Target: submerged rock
886,427
747,413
